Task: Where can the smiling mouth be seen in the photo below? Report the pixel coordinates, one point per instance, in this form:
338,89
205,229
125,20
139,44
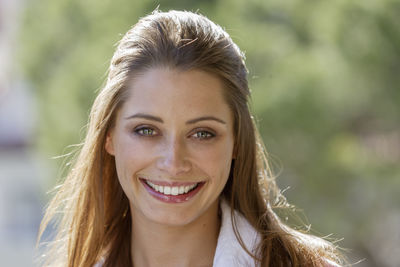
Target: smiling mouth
172,193
172,190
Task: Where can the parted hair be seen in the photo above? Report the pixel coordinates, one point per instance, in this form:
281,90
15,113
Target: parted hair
92,211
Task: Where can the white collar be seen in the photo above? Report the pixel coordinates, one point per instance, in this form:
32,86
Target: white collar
229,252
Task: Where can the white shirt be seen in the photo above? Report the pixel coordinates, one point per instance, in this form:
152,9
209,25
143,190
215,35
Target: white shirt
229,252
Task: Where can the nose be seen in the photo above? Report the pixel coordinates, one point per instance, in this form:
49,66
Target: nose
174,158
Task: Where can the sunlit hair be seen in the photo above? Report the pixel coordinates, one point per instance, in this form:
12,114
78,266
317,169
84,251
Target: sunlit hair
95,221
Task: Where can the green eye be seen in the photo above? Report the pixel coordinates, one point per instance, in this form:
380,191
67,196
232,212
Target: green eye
203,135
145,131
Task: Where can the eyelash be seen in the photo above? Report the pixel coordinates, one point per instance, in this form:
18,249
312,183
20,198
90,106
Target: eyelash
150,132
141,131
208,134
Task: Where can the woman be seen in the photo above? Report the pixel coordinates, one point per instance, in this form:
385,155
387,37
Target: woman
173,171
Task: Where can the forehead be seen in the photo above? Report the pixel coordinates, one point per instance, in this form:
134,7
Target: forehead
173,92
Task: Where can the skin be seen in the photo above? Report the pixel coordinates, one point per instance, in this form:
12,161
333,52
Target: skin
175,127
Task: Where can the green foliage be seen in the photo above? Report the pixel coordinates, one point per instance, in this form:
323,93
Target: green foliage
325,82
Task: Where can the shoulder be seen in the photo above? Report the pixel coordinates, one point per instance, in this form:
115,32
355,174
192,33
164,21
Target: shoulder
229,251
247,233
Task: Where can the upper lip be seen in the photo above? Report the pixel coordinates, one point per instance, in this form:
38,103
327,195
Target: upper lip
168,183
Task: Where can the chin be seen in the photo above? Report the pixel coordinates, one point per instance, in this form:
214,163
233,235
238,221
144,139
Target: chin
171,218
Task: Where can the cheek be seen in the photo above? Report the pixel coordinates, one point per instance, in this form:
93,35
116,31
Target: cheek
128,158
128,151
217,162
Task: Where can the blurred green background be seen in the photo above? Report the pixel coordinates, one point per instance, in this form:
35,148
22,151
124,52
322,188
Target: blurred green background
325,78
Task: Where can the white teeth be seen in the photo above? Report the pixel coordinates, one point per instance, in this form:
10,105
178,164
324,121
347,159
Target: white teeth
181,189
167,190
189,187
171,190
175,191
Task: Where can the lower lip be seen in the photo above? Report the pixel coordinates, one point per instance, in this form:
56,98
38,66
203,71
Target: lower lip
170,198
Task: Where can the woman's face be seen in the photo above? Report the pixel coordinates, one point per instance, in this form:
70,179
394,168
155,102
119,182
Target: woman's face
173,142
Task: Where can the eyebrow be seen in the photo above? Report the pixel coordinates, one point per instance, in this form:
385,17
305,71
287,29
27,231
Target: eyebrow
205,118
145,116
158,119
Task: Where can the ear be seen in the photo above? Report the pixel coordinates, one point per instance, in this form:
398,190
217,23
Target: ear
109,145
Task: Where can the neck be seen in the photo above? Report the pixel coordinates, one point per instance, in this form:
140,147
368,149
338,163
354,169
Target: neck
193,244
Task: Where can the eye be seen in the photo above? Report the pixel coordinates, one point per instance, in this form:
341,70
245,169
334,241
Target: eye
203,135
146,131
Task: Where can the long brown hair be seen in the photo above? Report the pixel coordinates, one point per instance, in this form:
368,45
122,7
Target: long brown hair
95,221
